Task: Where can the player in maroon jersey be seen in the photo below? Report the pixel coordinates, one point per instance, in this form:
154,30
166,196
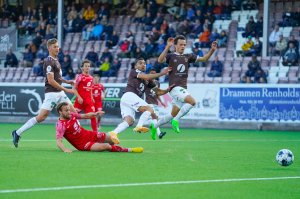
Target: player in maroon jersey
68,127
98,95
83,85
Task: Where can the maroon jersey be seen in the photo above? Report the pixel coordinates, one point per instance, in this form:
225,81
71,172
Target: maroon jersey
180,67
74,133
137,85
51,65
151,97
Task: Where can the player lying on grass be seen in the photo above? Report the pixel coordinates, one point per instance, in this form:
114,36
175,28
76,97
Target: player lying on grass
68,127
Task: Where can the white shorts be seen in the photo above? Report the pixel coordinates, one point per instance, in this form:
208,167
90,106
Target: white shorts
130,103
178,95
53,98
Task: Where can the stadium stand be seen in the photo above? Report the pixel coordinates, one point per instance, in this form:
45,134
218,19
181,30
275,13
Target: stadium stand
125,23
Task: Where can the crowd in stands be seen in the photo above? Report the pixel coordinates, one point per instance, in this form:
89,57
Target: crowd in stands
194,20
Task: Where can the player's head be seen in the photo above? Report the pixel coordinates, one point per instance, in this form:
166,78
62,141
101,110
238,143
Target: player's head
64,111
53,48
96,79
85,66
140,64
180,43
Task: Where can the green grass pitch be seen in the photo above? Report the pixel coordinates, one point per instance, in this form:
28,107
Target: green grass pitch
196,163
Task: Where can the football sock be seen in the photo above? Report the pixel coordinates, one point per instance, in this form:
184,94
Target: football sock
144,117
94,124
115,148
121,127
148,122
184,110
30,123
158,131
164,120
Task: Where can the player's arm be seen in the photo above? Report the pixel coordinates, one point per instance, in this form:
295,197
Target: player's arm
213,48
160,92
91,115
62,146
77,81
162,56
154,76
52,82
102,95
68,81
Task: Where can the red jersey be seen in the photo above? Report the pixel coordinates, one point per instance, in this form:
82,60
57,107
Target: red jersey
97,90
83,84
79,137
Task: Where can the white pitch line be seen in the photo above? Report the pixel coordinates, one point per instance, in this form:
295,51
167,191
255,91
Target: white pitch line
166,140
144,184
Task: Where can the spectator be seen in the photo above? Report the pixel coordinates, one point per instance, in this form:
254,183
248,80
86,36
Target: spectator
216,68
11,59
106,54
291,56
92,56
259,27
38,69
287,18
78,23
160,47
253,66
27,58
140,14
89,14
223,39
196,29
87,31
250,28
138,53
274,36
294,41
104,68
280,47
37,41
214,35
255,49
112,40
246,47
197,51
103,13
66,65
147,20
70,74
204,38
112,72
260,76
184,28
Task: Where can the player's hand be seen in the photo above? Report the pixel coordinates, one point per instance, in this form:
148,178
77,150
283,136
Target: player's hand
170,41
214,45
80,100
72,82
170,87
100,113
68,151
165,71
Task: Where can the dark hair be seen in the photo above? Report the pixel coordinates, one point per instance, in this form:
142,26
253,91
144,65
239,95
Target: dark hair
59,106
84,62
181,37
51,41
138,59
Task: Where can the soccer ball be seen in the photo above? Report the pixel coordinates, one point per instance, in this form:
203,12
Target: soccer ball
285,157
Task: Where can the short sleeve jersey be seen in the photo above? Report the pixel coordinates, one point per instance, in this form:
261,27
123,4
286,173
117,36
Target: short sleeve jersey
51,65
137,85
97,91
84,84
180,66
151,97
73,132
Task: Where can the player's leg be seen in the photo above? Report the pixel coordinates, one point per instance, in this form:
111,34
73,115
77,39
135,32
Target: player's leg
147,112
99,147
89,107
48,104
189,103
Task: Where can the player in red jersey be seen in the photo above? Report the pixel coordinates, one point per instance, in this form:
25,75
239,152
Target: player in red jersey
68,127
83,85
98,95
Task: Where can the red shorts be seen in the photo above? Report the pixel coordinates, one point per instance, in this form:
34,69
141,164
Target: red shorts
97,138
87,107
98,106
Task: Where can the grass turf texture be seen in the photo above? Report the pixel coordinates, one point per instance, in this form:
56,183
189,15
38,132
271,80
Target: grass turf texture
192,155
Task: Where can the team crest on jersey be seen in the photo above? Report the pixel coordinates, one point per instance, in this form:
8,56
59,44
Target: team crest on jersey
49,68
181,68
